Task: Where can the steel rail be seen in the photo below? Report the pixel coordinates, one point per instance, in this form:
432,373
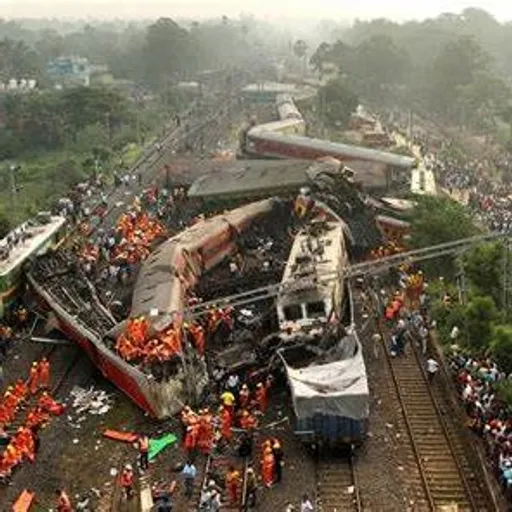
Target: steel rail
419,462
445,430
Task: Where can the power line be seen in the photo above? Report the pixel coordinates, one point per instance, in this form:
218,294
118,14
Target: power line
359,269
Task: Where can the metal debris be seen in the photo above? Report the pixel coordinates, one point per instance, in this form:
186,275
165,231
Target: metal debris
88,401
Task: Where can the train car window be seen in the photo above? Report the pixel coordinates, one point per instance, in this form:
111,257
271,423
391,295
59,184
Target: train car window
315,309
292,312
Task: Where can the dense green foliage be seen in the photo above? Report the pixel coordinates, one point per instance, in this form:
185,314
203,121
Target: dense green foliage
335,102
483,266
438,220
60,137
152,54
454,66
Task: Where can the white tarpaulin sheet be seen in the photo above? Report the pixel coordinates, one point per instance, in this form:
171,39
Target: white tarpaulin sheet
339,388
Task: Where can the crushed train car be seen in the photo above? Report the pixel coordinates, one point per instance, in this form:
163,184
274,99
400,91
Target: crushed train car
160,293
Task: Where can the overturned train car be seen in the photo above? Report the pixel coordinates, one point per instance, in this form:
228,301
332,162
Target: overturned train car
160,294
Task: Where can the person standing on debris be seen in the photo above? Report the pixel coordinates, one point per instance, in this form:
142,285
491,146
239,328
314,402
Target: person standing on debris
226,420
244,397
278,453
143,444
228,401
205,432
44,374
268,467
233,481
262,395
63,501
126,481
189,473
233,384
33,379
432,369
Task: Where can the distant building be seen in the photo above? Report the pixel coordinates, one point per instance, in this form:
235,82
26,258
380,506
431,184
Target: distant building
69,71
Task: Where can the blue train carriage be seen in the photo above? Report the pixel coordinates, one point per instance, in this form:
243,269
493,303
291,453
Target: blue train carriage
27,241
331,400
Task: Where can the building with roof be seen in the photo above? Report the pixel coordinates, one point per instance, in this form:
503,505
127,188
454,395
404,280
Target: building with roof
70,71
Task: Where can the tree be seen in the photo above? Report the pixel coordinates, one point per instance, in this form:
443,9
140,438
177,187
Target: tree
480,314
5,224
501,347
300,48
168,52
483,268
454,67
336,102
437,220
320,56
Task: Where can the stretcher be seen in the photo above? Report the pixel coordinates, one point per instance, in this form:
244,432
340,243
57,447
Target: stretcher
126,437
24,501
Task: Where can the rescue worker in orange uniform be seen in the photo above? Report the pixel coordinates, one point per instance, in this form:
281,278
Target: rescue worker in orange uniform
44,374
205,433
267,466
11,456
244,397
247,421
190,441
233,481
199,337
186,415
36,417
262,395
143,443
47,403
33,379
63,501
20,390
226,421
126,481
25,443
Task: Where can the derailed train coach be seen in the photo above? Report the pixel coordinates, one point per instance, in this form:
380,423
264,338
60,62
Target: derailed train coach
323,360
331,399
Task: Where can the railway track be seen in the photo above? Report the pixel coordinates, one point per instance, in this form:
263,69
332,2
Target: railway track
219,465
438,451
337,489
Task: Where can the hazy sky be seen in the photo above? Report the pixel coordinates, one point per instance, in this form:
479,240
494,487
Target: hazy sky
332,9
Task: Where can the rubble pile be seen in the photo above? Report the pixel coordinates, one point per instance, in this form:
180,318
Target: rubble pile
88,401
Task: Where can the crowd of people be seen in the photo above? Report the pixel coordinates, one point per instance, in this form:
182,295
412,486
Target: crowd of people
32,394
488,416
231,429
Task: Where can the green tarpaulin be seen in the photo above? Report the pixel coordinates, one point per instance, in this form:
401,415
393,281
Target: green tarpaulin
157,445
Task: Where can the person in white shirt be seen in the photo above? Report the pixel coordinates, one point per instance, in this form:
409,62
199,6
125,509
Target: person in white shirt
432,368
305,504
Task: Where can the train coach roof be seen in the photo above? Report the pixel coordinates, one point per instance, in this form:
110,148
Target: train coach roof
252,177
334,148
267,178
